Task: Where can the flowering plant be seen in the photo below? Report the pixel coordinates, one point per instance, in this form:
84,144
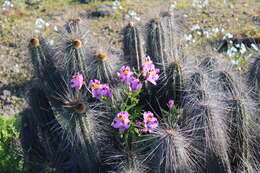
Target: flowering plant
93,121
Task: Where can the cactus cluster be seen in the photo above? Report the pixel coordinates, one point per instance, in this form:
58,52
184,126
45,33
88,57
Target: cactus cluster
210,128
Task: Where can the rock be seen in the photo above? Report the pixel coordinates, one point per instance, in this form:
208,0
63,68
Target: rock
16,68
85,1
33,3
103,11
12,45
6,93
256,20
8,110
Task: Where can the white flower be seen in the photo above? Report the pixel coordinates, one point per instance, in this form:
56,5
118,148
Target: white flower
216,30
233,49
39,23
6,3
235,62
55,28
200,3
195,27
132,13
187,37
51,42
207,33
116,5
242,48
254,46
36,31
172,6
232,52
137,18
238,45
227,36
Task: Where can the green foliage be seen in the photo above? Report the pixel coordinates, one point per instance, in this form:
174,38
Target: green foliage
10,158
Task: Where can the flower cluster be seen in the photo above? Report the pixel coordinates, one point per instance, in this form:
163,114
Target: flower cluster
121,121
132,16
40,25
127,76
117,5
149,71
7,5
254,46
77,81
200,3
150,122
99,90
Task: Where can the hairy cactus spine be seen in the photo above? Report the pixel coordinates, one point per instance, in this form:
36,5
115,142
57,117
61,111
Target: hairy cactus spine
156,43
254,78
40,142
202,104
238,115
174,83
100,67
133,45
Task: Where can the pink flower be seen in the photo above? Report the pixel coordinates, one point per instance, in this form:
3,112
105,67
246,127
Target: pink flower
125,74
94,83
170,104
77,81
147,60
106,91
134,84
152,76
138,124
149,71
150,122
99,90
121,121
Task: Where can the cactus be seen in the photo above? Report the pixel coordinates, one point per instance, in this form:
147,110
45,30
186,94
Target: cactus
71,54
133,45
101,62
208,129
241,116
202,102
162,43
254,78
43,147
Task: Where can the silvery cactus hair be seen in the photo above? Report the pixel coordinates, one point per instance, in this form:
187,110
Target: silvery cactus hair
156,110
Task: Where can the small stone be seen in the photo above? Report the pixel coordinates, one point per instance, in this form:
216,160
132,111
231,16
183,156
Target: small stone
6,93
14,98
85,1
103,11
33,2
12,45
256,20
